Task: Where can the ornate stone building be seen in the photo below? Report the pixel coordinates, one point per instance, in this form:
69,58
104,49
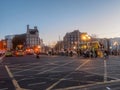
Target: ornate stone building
32,37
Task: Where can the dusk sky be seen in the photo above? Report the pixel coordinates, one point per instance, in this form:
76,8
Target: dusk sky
55,18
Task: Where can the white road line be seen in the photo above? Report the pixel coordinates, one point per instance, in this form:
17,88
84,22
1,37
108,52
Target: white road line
105,74
56,67
18,75
108,88
105,71
101,75
36,84
36,70
21,65
25,79
89,85
29,69
57,71
49,88
4,89
1,58
16,85
82,65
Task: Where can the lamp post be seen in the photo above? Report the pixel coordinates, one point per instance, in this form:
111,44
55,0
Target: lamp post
85,38
116,45
110,50
78,43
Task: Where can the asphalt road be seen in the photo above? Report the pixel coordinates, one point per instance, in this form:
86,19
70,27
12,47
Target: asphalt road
59,73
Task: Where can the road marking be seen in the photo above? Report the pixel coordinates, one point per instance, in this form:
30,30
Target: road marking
57,71
105,71
18,75
101,75
89,85
53,85
55,67
36,84
82,65
21,65
30,69
108,88
4,89
16,85
25,79
53,63
1,58
105,75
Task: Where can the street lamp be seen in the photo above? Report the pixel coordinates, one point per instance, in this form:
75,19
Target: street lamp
116,45
110,50
85,38
74,47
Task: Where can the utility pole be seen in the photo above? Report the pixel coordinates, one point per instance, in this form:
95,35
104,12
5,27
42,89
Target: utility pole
78,43
59,43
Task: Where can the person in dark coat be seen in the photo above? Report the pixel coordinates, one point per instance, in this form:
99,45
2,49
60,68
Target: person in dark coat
71,53
106,54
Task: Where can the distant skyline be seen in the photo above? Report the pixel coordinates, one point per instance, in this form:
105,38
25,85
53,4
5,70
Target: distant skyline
54,18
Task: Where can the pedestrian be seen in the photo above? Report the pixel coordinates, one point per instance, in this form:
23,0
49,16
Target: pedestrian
96,54
71,53
37,55
106,55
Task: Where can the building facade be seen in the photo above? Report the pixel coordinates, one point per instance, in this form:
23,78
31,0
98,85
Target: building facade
9,39
3,45
71,39
32,37
115,45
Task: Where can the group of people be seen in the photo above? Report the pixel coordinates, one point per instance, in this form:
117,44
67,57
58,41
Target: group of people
94,53
90,53
84,53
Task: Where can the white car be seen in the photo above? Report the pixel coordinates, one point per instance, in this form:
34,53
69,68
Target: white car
2,52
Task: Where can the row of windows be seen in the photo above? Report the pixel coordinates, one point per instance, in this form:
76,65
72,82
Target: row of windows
32,39
72,39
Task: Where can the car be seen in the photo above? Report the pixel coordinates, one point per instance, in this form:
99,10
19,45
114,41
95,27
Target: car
8,54
2,52
19,53
29,52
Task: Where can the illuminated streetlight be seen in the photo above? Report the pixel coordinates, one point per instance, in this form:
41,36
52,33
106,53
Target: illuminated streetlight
116,45
74,47
85,37
39,46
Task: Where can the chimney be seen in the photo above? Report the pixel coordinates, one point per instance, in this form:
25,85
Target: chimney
27,28
35,27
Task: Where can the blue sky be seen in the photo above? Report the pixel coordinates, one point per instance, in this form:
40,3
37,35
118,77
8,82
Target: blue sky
56,17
